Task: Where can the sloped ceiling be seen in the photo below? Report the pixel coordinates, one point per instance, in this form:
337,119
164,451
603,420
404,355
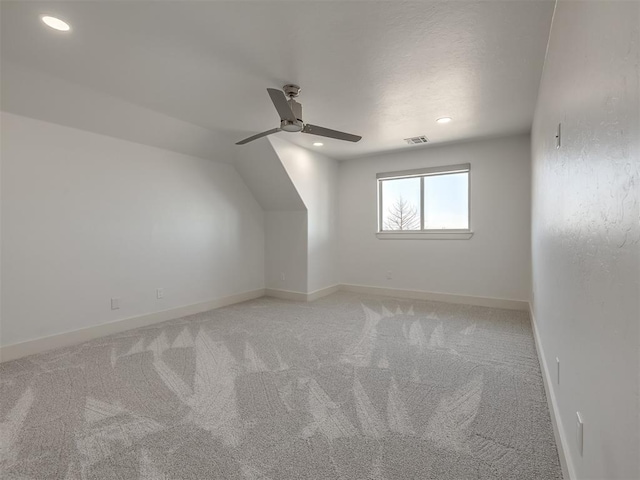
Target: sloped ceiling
34,94
261,169
383,70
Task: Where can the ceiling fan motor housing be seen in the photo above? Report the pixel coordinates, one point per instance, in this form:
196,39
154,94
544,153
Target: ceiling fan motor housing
291,90
289,126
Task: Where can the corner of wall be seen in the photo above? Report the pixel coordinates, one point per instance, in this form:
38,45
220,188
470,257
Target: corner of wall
315,177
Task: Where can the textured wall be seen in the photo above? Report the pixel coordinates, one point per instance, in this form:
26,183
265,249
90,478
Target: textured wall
87,217
586,235
495,262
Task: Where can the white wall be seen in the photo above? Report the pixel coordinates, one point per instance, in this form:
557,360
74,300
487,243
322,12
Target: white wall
286,250
586,234
315,177
494,263
87,217
285,227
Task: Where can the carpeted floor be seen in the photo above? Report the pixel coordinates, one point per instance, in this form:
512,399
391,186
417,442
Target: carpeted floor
347,387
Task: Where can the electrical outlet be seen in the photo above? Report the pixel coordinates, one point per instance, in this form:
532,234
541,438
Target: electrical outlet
115,303
389,275
579,432
283,277
160,293
557,370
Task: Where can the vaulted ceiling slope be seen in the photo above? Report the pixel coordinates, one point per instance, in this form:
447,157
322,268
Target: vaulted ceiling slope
383,70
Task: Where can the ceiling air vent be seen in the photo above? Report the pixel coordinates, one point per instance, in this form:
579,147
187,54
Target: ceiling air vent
416,140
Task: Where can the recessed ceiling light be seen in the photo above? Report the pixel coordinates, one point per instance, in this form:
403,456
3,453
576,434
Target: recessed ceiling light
444,120
55,23
318,144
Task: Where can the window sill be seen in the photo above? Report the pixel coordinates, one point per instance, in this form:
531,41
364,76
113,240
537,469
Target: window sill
424,235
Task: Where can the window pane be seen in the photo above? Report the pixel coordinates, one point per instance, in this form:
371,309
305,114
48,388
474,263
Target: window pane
401,204
446,201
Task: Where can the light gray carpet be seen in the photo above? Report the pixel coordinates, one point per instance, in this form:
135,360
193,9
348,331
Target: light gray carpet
347,387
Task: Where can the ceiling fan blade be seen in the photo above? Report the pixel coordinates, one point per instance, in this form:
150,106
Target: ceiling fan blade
327,132
281,104
259,135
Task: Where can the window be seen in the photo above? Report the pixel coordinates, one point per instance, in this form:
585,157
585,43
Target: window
430,202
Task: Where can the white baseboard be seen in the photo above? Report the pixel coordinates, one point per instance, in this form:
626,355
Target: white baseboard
301,296
285,294
323,292
39,345
568,470
438,297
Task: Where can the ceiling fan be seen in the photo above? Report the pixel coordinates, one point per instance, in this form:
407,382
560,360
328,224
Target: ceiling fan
290,113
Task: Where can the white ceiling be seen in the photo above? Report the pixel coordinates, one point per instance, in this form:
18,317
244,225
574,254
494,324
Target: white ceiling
383,70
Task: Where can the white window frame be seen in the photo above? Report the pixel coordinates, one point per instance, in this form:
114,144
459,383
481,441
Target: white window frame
424,234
